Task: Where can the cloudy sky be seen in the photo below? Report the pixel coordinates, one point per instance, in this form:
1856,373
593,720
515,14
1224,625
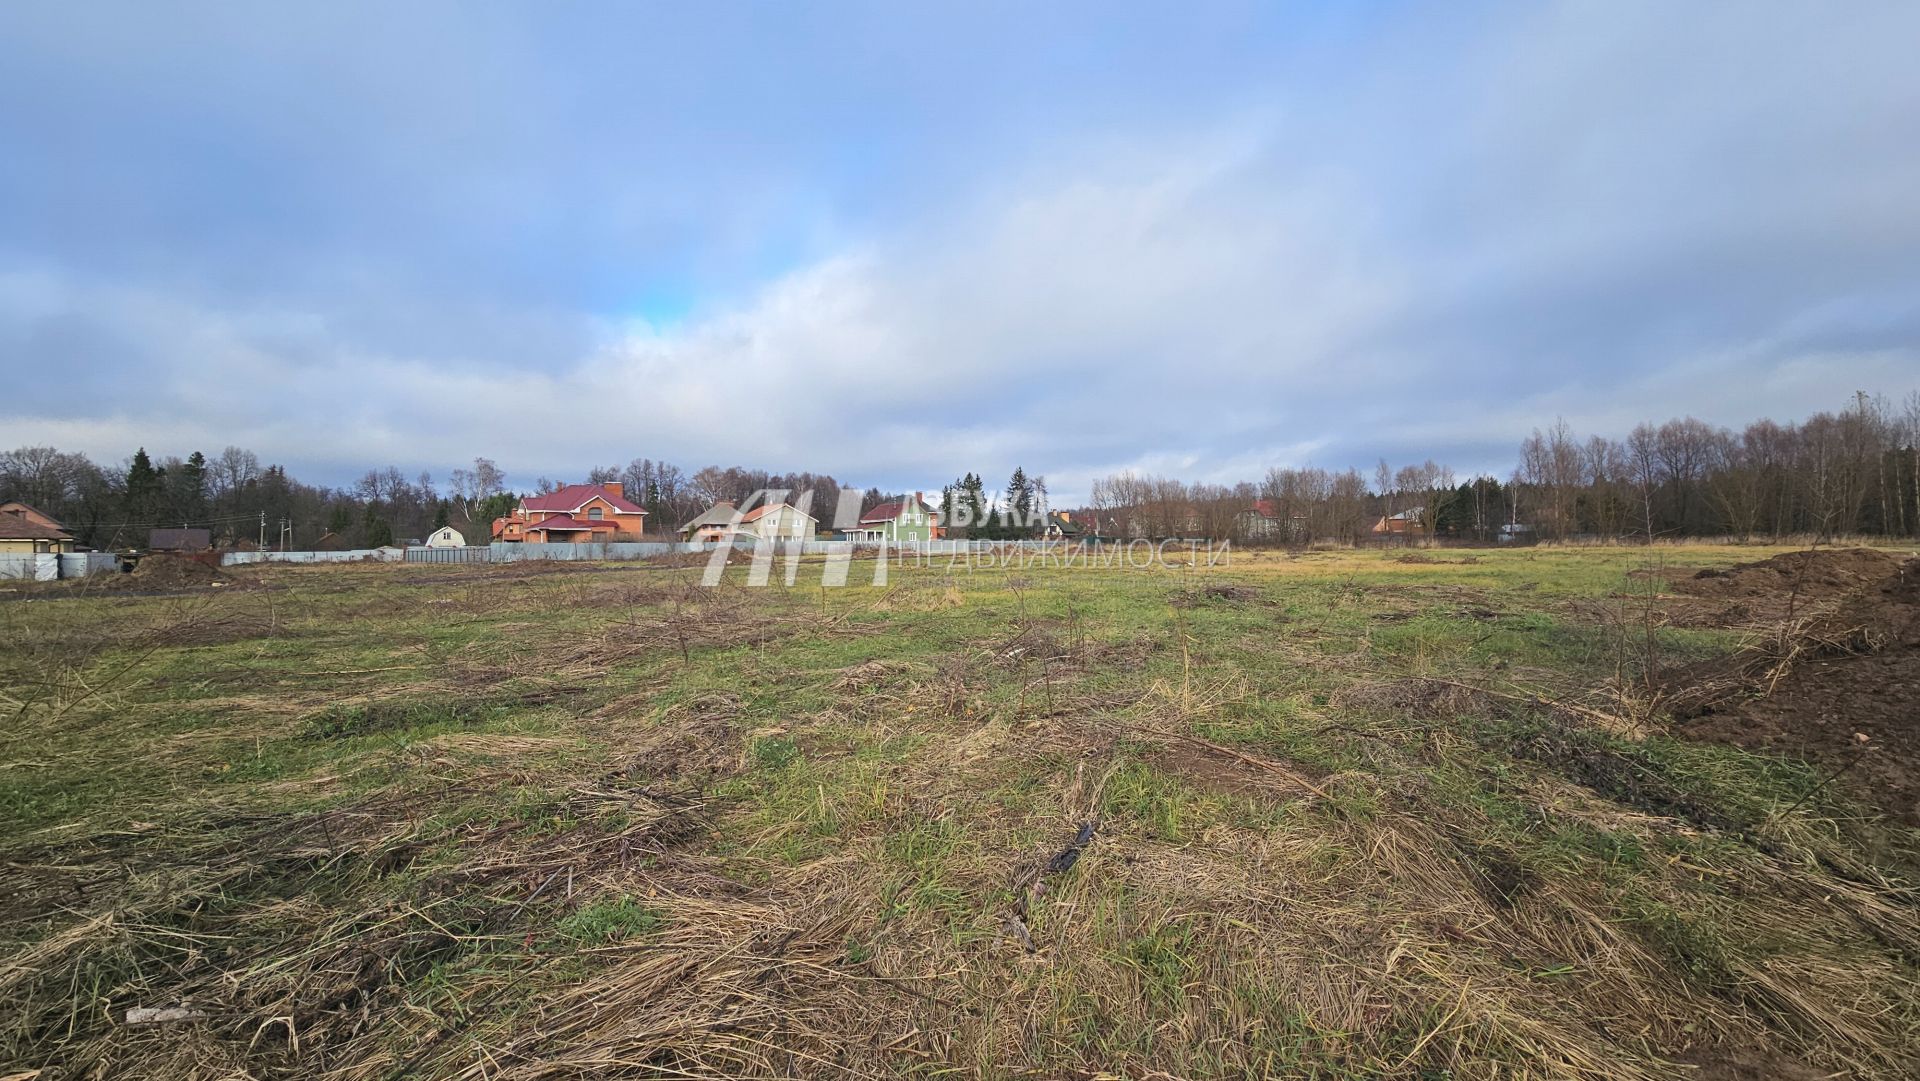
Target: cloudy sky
895,242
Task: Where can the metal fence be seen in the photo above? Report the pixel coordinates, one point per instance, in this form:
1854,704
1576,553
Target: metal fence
503,552
47,566
469,554
351,555
32,566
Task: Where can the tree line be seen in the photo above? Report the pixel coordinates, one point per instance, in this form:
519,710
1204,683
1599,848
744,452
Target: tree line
243,502
1853,471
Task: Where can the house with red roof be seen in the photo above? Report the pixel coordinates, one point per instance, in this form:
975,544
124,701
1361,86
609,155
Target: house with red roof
572,514
24,529
898,520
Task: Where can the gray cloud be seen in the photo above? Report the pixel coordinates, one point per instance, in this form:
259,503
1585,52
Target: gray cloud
1459,230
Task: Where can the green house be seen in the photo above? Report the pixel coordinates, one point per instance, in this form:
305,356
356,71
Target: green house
897,520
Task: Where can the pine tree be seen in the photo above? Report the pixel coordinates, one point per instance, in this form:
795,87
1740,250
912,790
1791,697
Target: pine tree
1015,520
143,489
190,489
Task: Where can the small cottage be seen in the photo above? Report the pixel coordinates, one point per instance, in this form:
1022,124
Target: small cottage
25,530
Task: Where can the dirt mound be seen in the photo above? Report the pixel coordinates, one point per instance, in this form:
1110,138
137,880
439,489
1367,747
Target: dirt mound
1863,681
1814,575
170,572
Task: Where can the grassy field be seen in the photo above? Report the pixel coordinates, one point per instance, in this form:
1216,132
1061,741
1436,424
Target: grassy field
1340,815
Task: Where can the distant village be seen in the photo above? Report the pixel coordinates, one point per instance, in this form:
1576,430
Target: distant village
1852,472
602,513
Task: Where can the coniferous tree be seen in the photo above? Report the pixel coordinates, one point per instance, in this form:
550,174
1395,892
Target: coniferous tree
142,500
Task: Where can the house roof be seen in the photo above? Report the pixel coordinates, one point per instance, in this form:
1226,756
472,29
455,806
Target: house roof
31,514
1065,524
20,527
718,514
186,540
571,497
760,511
565,522
1265,508
888,511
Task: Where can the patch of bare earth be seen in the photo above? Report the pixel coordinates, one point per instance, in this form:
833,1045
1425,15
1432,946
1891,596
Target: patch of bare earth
1843,688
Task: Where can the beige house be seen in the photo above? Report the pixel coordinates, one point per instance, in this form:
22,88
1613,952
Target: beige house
712,525
779,521
25,530
770,521
446,537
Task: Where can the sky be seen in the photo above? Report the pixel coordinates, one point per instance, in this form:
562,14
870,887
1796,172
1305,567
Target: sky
898,242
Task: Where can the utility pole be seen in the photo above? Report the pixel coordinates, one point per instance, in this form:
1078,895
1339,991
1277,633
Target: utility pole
263,530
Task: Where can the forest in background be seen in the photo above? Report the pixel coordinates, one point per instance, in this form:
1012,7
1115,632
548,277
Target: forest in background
1851,472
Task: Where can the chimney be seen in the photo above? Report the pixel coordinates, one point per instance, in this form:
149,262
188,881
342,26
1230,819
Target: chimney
612,488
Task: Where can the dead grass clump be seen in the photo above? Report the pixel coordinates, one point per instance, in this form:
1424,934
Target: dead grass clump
1217,768
1222,593
691,559
52,668
718,624
1424,558
871,675
1424,699
296,943
690,745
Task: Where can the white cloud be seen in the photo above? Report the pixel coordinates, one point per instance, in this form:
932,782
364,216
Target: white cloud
1603,214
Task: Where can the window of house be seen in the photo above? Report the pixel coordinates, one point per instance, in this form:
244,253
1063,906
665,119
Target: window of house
593,513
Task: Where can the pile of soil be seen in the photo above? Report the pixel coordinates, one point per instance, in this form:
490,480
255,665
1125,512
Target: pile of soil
1828,700
1813,575
169,572
1795,585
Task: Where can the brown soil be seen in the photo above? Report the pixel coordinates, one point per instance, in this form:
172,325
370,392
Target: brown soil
1813,575
1863,680
169,572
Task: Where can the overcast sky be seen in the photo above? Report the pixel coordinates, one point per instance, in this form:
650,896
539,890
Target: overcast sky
895,242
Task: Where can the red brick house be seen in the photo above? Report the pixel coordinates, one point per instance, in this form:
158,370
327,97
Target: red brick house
572,514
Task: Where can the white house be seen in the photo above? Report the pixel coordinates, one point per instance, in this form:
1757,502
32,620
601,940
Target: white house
446,537
779,521
769,521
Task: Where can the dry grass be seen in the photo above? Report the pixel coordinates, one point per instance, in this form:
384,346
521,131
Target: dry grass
731,834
